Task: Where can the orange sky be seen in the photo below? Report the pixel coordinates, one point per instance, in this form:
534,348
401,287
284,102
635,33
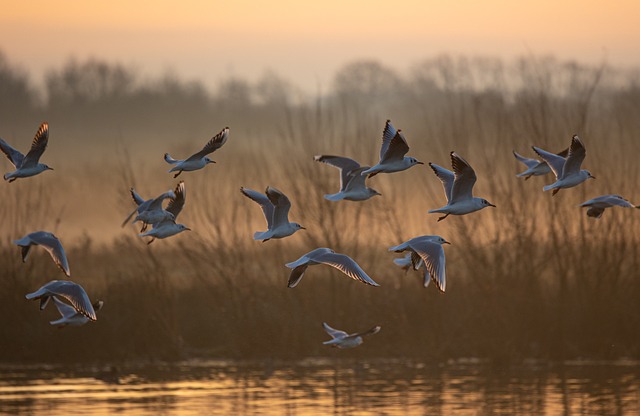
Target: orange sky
308,41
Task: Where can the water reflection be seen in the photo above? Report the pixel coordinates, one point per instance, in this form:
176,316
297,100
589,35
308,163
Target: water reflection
322,387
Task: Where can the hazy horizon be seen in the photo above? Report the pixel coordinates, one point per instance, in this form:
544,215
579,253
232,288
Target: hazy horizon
306,44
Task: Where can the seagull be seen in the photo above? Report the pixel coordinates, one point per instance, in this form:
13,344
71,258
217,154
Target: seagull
168,227
536,167
599,204
49,242
458,188
329,257
198,160
427,250
352,183
141,205
68,290
69,316
405,264
153,213
28,165
341,339
392,154
275,207
567,171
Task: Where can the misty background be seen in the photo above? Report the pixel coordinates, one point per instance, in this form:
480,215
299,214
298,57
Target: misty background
534,278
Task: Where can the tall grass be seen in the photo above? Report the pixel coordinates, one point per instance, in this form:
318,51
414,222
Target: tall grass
532,278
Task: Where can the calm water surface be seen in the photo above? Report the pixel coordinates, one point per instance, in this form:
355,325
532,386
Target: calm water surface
323,386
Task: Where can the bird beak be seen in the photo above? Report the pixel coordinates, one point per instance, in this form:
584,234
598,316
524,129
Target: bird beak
187,229
491,205
49,168
593,177
420,163
302,228
446,242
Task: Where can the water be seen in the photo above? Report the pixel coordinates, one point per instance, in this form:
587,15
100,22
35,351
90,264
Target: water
323,386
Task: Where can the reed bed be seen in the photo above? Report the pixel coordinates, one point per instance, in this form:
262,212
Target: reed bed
533,278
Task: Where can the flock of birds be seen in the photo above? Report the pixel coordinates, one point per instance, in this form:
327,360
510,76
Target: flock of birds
424,251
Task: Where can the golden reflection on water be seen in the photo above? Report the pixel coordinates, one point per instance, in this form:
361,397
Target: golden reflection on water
322,387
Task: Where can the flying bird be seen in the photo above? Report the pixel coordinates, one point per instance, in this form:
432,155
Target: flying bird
49,242
28,165
199,159
427,251
392,153
68,290
567,171
329,257
340,339
599,204
153,213
141,205
352,183
535,167
275,207
168,226
69,316
458,188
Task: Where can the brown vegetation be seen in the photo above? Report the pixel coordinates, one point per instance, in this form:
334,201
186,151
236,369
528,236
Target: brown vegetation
533,278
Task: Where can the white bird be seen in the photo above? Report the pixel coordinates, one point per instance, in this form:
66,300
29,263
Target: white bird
405,264
68,290
168,227
536,167
458,188
340,339
69,316
329,257
198,160
392,153
599,204
427,250
352,183
275,207
141,205
567,171
153,213
49,242
28,165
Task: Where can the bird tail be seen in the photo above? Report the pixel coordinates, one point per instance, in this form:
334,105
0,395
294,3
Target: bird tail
169,159
549,187
334,197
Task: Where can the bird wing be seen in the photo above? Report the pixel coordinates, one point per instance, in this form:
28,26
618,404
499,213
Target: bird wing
14,156
281,206
156,203
38,146
177,203
136,197
465,178
446,177
212,145
65,310
433,256
388,133
595,212
52,244
530,163
345,165
69,290
335,333
263,201
577,153
555,162
356,179
371,331
345,264
397,148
